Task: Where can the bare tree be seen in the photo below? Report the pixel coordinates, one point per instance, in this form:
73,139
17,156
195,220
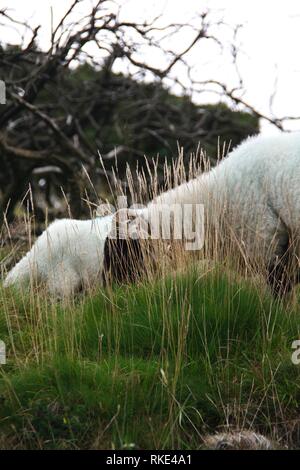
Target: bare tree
64,107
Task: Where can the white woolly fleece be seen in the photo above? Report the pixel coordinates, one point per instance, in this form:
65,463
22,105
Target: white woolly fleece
257,188
67,255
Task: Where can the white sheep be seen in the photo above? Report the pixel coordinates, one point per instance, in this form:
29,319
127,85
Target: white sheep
74,254
253,195
66,256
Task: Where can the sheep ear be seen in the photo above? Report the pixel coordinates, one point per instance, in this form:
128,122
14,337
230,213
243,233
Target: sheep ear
123,260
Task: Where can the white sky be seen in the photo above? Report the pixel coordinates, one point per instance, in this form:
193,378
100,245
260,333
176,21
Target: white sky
269,43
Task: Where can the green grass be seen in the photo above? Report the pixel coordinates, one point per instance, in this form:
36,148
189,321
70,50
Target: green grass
155,365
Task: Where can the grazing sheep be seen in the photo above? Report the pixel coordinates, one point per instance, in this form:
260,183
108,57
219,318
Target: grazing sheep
66,256
252,196
75,254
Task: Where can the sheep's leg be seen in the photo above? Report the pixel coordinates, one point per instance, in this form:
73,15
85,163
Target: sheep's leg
278,275
283,272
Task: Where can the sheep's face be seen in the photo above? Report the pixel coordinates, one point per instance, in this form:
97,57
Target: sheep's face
123,260
125,253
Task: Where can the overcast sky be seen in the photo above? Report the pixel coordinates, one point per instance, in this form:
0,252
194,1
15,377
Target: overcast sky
269,43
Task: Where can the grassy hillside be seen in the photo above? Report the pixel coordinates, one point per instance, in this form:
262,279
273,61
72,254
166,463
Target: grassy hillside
156,365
